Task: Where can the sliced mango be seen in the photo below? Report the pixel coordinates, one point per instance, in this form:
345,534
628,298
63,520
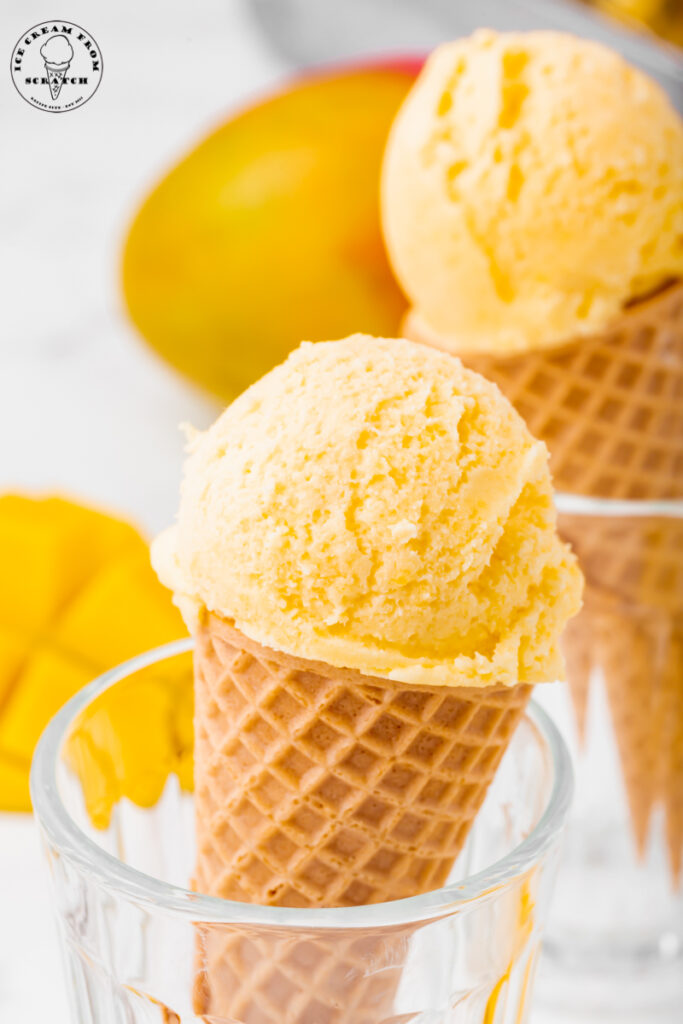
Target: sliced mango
14,652
128,741
49,549
14,786
78,597
46,682
121,611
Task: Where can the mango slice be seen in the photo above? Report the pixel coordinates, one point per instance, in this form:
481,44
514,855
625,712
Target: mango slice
78,597
128,741
268,233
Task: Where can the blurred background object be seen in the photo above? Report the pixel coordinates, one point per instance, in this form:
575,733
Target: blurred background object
663,17
312,31
268,231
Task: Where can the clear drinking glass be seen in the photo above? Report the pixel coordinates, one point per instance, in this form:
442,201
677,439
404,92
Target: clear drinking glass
615,934
111,785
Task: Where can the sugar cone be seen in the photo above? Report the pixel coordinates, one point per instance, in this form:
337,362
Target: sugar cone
610,408
317,786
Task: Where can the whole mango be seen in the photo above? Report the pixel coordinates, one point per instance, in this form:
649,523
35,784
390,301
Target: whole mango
268,232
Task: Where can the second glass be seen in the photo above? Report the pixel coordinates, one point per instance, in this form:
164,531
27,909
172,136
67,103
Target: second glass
615,938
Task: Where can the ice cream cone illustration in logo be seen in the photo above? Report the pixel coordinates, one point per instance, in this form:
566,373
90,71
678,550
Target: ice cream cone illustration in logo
57,53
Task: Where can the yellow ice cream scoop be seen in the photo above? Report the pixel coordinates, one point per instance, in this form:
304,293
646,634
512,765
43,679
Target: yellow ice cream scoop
532,185
372,504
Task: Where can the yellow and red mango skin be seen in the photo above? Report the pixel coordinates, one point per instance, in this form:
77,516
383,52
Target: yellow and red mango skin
268,233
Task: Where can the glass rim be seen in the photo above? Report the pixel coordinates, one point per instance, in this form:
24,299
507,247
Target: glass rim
586,505
113,874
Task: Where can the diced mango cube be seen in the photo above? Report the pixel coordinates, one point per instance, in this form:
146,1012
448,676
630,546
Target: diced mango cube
48,680
49,548
98,780
14,651
78,597
120,612
14,785
129,741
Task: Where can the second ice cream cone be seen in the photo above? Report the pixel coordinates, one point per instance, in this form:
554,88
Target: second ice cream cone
536,231
610,408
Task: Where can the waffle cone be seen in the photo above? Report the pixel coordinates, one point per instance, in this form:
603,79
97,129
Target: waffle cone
631,628
610,408
321,787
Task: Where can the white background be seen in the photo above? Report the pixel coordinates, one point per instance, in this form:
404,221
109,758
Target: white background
85,409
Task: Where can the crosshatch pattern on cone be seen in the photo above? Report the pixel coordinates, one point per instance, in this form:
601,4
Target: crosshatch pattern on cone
322,787
610,406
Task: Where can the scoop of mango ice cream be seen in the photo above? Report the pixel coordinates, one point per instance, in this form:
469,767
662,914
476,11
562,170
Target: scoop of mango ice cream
532,185
372,504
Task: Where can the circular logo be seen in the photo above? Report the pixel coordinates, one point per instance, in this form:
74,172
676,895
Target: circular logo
56,66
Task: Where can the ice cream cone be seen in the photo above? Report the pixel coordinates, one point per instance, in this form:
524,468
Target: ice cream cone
610,408
382,520
318,786
55,77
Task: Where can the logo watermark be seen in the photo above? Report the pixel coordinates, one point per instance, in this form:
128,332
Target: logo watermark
56,66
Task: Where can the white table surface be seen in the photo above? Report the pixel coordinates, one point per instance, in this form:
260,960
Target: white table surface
85,409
